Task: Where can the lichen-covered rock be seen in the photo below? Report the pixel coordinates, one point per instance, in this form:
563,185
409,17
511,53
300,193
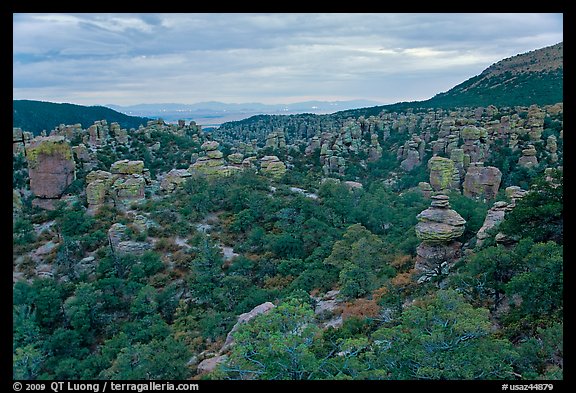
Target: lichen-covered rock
552,148
276,140
272,166
210,146
96,192
439,223
129,247
442,171
51,167
235,158
173,179
127,190
214,154
482,182
126,167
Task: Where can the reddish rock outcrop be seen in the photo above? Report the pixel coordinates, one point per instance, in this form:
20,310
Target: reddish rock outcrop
482,182
51,167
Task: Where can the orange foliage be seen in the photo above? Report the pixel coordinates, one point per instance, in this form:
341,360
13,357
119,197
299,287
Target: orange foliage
379,293
403,280
360,308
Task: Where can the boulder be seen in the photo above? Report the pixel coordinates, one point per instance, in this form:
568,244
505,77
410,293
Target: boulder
482,182
210,146
173,179
51,167
494,217
244,318
235,158
210,364
528,159
126,167
353,185
425,188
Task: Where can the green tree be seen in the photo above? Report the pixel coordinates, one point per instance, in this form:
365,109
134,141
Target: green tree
443,338
275,345
539,214
160,359
27,362
360,257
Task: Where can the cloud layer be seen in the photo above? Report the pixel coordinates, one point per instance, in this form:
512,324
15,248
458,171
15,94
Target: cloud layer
128,59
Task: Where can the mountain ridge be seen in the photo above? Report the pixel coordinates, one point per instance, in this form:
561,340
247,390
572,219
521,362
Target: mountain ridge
36,116
534,77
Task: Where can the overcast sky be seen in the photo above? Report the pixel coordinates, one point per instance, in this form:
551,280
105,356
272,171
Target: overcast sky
125,59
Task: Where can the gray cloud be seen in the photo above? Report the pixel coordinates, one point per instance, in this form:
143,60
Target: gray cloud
273,58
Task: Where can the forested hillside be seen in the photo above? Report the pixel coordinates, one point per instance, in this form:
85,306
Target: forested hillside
36,116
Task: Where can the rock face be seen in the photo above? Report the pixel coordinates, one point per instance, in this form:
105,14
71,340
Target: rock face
437,228
272,166
496,215
208,365
493,218
443,174
482,182
51,166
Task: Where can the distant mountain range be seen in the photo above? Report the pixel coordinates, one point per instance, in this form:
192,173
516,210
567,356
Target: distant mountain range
215,113
36,116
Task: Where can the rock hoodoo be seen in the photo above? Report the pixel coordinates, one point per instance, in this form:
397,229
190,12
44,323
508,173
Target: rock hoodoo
437,228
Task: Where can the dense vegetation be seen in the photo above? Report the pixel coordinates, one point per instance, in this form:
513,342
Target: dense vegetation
36,116
146,317
222,244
